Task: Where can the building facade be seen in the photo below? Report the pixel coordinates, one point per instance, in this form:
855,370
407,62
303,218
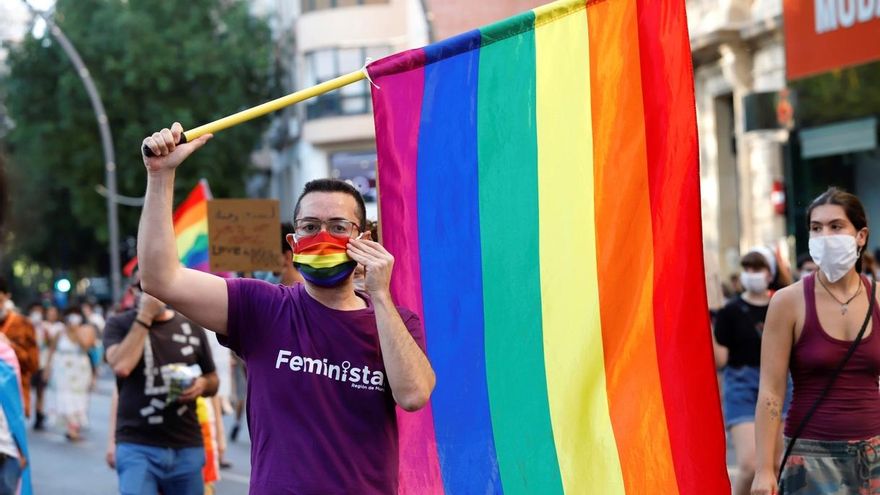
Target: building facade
738,52
316,40
331,135
786,107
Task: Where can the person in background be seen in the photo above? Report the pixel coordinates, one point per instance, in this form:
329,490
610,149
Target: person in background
739,326
92,316
869,265
37,315
223,363
70,372
208,422
806,266
110,453
285,274
239,394
20,332
46,334
159,443
96,352
14,457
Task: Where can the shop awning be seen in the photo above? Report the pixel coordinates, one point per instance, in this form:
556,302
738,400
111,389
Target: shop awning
836,139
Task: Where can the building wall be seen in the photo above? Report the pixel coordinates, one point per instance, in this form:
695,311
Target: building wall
398,25
452,17
737,49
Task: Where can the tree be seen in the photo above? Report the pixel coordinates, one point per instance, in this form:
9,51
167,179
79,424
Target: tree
847,93
153,63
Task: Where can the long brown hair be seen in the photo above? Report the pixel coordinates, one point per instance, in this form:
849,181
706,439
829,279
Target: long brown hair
853,208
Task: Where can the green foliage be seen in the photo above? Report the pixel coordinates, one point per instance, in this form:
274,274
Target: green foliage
847,93
153,63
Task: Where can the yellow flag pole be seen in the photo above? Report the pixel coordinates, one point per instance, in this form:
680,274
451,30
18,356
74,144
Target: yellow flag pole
268,107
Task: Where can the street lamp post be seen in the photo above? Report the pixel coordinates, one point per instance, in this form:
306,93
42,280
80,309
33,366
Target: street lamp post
106,144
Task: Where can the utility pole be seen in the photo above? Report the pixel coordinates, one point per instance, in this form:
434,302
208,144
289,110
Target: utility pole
106,144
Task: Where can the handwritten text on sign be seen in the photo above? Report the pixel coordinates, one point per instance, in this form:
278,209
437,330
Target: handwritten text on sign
244,234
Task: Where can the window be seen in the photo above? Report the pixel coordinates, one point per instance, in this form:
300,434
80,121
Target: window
323,65
313,5
357,168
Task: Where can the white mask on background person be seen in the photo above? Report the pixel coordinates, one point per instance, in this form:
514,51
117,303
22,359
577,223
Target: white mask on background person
835,254
754,282
74,320
36,317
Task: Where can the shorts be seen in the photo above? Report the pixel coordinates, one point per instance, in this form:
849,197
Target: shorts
821,467
144,470
740,395
10,474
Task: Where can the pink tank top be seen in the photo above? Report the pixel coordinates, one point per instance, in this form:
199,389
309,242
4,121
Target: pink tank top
851,409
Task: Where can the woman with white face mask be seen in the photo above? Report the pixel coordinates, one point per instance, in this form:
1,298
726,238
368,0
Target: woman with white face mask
738,329
70,372
814,326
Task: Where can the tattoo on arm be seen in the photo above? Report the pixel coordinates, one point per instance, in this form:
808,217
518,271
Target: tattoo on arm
774,409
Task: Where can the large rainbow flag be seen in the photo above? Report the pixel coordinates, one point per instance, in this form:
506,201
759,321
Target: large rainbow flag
539,188
190,230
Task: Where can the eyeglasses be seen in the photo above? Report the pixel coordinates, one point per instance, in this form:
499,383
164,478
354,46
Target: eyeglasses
337,227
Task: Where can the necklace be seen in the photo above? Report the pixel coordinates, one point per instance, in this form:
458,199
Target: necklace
844,306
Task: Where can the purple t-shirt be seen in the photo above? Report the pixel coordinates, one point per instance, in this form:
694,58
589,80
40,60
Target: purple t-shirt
320,411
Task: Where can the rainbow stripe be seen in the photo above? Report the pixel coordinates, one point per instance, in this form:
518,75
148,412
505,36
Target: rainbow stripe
540,192
191,228
323,258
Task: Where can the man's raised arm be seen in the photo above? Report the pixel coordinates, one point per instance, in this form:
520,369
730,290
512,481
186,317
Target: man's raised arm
200,296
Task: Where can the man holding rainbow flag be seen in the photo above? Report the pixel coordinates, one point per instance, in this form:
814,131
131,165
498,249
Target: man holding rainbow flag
326,364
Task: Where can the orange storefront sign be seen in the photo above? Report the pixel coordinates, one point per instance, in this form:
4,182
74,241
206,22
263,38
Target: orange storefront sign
821,35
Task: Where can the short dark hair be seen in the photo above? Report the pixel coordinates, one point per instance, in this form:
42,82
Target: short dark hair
755,261
803,259
286,228
334,185
853,208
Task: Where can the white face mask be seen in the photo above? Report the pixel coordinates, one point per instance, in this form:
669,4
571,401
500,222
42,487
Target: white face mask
754,282
835,254
74,320
36,317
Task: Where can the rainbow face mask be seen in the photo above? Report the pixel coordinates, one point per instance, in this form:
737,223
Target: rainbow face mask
323,260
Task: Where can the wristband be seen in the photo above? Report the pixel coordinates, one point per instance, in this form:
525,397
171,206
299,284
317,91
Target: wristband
142,323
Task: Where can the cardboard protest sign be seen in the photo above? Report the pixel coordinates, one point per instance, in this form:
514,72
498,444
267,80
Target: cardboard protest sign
244,234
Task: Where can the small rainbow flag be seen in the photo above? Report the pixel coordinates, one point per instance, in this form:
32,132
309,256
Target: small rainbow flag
539,186
190,230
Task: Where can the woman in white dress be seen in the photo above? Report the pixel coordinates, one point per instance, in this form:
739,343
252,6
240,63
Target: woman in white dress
70,372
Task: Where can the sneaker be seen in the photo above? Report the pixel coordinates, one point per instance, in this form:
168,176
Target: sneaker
234,433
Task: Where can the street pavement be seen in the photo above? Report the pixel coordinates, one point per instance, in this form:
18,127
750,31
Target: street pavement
59,466
80,469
